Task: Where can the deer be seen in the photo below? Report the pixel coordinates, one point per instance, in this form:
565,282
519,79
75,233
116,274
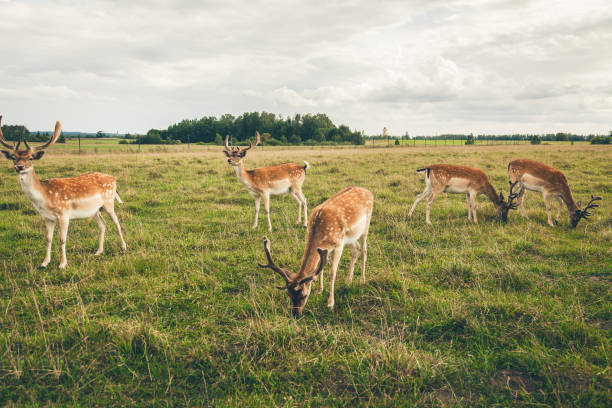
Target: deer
263,182
60,200
535,176
451,178
344,219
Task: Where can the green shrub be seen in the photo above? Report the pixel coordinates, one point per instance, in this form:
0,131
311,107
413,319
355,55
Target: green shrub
601,140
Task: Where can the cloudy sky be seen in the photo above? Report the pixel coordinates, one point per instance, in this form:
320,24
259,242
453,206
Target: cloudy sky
421,66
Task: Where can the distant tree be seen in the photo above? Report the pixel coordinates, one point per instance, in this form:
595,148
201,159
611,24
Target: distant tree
535,140
561,137
397,142
319,134
61,138
100,133
15,132
317,127
218,139
151,138
469,139
601,140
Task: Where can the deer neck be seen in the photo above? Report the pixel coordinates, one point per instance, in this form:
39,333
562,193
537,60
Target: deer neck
242,174
32,187
311,257
492,194
568,199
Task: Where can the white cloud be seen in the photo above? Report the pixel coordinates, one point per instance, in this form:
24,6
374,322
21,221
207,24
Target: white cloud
420,66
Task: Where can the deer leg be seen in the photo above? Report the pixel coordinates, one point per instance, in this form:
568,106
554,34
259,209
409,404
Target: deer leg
547,201
354,255
304,204
332,275
430,201
299,201
320,278
521,197
50,225
418,200
364,250
110,210
266,200
474,202
560,209
469,206
257,203
102,227
63,233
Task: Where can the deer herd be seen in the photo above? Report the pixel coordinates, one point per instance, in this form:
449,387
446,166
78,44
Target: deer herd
344,219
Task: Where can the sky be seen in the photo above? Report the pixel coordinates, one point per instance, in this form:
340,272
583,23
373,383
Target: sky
425,67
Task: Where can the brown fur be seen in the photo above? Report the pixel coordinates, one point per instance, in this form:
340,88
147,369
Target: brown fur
62,193
345,216
451,178
551,182
264,181
63,199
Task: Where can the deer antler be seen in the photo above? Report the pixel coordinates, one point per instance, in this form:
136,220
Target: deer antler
2,140
257,141
58,130
227,147
272,265
584,213
512,196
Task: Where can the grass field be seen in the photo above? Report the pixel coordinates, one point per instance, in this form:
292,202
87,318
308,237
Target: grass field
454,314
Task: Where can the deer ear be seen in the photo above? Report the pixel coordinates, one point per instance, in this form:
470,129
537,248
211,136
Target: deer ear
38,155
226,153
8,155
243,153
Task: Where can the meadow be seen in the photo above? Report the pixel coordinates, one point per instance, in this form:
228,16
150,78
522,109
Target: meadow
454,314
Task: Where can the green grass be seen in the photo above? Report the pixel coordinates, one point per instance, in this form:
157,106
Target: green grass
455,314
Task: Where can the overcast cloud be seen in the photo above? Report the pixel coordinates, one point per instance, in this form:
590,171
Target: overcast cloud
425,67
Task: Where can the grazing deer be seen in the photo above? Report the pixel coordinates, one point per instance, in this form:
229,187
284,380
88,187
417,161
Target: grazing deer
266,181
536,176
450,178
341,220
63,199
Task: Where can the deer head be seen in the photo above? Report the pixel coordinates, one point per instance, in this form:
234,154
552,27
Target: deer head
23,158
298,287
506,206
235,154
583,213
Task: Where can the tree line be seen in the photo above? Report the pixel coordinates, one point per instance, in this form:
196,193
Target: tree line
275,130
17,132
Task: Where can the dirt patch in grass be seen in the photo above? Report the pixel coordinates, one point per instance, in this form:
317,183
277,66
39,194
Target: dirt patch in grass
516,382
